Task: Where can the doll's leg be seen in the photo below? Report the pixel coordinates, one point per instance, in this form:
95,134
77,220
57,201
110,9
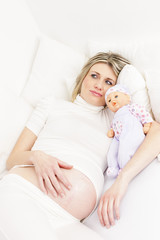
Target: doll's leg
112,158
128,145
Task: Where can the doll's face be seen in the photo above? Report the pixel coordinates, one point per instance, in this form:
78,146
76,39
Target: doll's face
116,100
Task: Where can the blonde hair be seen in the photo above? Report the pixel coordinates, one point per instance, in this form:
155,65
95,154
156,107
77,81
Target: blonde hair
114,60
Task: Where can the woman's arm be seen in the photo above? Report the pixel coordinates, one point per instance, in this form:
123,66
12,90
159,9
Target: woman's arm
21,153
111,199
47,167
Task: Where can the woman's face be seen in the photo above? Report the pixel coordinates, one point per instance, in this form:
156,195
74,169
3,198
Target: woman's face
98,80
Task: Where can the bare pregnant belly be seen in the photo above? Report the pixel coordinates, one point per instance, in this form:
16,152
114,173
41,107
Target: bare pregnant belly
79,201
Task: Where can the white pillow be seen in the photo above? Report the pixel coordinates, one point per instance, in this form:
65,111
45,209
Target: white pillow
18,44
131,78
54,71
142,54
14,114
152,77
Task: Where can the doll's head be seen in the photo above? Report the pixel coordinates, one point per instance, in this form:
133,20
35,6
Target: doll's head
117,97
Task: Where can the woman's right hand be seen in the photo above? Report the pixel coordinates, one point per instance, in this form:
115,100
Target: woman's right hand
49,173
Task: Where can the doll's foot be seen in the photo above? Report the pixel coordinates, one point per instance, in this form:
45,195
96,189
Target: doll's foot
119,171
112,172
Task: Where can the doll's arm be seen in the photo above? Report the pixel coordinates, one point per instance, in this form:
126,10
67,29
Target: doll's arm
146,127
110,133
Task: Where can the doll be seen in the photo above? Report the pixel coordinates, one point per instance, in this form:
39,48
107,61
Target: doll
130,124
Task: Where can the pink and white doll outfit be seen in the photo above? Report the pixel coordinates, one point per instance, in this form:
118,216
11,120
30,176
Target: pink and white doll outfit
127,125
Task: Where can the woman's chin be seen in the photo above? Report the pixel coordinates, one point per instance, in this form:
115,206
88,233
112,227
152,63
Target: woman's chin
96,101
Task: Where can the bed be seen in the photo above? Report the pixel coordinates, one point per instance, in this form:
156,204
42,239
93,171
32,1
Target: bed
28,75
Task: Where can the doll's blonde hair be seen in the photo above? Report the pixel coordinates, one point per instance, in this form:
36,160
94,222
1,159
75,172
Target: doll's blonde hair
114,60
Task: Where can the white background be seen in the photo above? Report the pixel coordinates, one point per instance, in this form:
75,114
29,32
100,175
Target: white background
76,21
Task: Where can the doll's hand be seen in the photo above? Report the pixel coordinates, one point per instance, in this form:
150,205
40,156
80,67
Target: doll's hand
110,133
146,127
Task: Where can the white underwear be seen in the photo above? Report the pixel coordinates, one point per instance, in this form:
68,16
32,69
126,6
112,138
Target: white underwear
94,174
27,213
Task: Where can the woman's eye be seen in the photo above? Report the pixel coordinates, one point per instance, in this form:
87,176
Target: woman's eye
116,96
94,75
108,82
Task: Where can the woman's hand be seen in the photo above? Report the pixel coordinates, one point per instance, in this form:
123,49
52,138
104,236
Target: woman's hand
49,173
109,206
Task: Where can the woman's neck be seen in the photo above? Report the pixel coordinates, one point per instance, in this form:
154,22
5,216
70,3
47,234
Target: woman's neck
83,104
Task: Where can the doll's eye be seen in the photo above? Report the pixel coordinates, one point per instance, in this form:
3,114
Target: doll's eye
116,96
109,100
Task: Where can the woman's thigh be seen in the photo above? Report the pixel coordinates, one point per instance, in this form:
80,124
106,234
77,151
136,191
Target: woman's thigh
77,231
21,219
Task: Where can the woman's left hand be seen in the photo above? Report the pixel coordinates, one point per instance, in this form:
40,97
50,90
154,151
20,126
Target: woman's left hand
109,206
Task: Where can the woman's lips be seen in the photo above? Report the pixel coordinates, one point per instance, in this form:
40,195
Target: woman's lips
96,93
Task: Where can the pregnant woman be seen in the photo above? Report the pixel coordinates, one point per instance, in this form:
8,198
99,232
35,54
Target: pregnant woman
56,168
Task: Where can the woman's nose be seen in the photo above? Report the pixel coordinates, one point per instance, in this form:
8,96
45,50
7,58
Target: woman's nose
99,85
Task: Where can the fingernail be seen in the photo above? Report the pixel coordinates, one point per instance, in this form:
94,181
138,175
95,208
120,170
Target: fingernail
69,187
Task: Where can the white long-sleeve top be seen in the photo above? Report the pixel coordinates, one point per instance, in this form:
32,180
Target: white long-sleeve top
75,133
